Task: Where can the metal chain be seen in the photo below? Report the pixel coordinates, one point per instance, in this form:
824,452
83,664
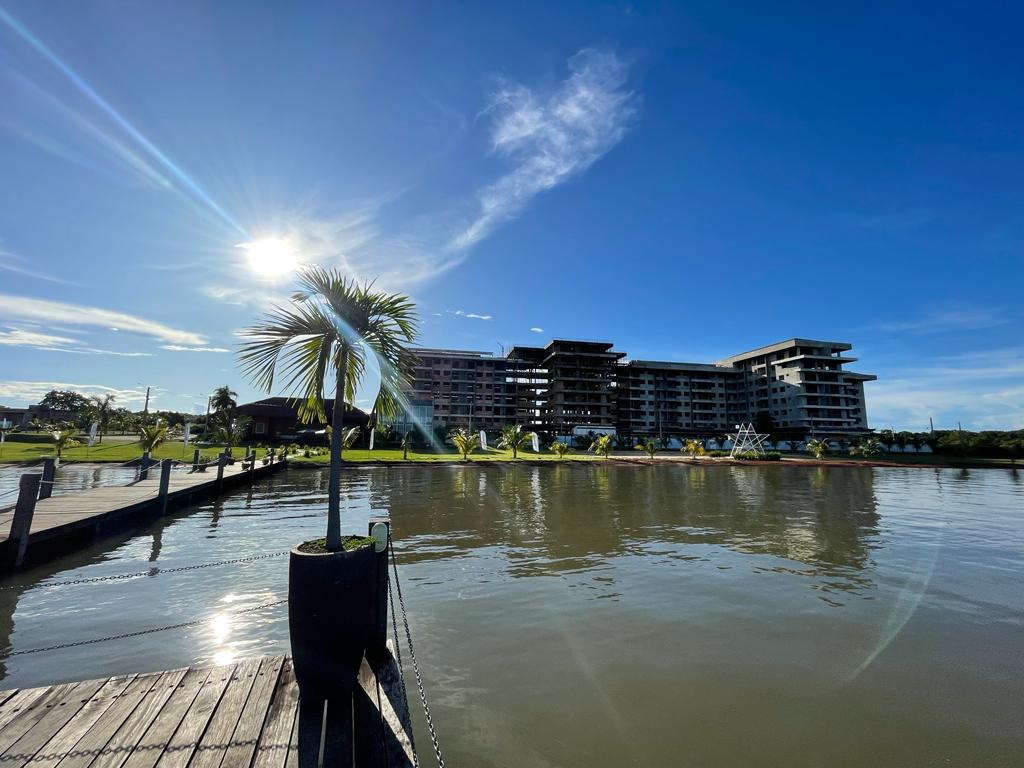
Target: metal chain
398,658
151,572
412,657
137,633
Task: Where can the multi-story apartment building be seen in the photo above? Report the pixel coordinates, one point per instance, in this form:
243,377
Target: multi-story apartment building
565,385
570,386
801,384
664,399
463,389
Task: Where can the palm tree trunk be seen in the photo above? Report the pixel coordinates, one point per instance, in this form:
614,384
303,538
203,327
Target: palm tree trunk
334,479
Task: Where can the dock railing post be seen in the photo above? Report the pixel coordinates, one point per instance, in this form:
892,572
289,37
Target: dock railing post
21,523
252,466
222,461
144,464
165,482
46,484
195,460
377,641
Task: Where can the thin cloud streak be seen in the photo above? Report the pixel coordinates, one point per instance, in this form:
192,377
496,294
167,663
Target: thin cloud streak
6,259
551,139
954,319
46,311
33,391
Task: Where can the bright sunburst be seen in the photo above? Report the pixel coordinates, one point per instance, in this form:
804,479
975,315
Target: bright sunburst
271,257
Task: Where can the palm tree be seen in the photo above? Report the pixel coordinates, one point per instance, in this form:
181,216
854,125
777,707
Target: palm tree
560,450
223,399
514,439
648,446
230,431
817,447
63,438
152,435
602,445
348,437
869,446
103,409
321,340
694,447
465,442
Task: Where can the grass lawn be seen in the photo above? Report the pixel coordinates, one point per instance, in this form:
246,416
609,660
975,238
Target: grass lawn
356,455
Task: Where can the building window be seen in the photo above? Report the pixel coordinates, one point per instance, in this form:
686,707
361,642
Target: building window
259,428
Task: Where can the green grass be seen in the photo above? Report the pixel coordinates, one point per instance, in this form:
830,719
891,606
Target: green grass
112,449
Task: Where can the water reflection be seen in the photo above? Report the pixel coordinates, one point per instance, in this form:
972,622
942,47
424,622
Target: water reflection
574,518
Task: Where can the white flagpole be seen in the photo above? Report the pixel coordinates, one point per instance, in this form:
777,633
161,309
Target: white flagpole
483,440
373,433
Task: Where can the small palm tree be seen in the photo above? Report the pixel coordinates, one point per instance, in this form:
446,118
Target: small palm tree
63,438
231,431
560,450
465,442
693,448
648,446
817,447
152,435
321,341
514,439
103,410
348,437
869,446
602,445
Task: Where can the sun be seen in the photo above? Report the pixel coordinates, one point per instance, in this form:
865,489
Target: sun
270,258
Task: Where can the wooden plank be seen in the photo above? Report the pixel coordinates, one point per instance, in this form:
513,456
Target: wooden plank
396,734
254,716
293,745
58,713
30,715
225,719
97,743
183,744
66,739
6,696
148,732
20,701
276,739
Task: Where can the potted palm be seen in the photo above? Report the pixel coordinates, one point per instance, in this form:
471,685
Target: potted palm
320,342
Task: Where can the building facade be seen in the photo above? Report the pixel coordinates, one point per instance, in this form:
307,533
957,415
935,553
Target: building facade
795,387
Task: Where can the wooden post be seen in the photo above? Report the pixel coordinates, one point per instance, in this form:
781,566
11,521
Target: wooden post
377,641
165,482
46,484
252,466
222,461
144,463
195,460
21,523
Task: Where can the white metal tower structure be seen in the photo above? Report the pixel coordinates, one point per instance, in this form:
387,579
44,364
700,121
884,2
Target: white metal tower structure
746,440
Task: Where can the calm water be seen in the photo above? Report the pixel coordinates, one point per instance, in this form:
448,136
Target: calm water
606,616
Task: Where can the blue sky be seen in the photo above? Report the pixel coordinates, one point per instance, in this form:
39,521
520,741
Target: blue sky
688,180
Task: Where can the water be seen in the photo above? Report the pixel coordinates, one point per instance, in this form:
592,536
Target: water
604,616
67,479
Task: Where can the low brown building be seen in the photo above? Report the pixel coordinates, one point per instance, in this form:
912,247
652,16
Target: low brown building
277,418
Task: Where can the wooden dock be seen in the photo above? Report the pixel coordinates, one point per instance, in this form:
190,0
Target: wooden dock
60,520
235,716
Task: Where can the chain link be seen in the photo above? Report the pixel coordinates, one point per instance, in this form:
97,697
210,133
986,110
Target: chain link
137,633
151,572
412,657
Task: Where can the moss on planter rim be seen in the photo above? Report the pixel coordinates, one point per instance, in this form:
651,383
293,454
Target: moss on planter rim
348,544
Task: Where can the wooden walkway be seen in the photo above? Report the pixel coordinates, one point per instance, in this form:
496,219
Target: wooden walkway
235,716
70,515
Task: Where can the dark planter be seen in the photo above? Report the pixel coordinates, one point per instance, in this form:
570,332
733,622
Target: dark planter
330,596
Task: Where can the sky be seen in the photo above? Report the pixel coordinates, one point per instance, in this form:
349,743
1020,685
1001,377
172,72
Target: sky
687,180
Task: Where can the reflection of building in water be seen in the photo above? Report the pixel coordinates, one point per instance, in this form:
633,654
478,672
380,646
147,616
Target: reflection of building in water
549,519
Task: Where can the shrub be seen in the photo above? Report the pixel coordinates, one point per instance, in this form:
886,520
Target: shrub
718,454
752,456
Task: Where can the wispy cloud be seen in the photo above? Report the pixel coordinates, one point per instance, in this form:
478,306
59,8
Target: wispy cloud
33,391
14,308
551,138
951,319
18,337
181,348
12,262
982,389
535,329
468,315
